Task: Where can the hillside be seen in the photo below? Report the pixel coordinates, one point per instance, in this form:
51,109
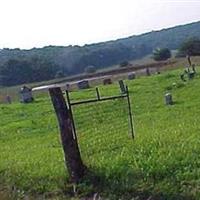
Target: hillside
161,163
21,66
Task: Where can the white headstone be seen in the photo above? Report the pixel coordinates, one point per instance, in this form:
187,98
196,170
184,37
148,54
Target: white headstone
168,99
131,76
26,95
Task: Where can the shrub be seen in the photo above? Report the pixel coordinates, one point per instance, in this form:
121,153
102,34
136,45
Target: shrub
90,69
124,64
161,54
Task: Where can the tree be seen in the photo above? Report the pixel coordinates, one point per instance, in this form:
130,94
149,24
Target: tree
190,47
124,64
20,71
161,54
59,74
15,72
90,69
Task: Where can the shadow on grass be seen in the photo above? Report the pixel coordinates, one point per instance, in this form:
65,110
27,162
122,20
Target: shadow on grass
126,186
178,102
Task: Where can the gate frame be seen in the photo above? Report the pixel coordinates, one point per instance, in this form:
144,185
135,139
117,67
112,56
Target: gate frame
124,94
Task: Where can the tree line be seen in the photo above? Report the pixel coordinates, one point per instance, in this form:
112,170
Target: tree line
23,66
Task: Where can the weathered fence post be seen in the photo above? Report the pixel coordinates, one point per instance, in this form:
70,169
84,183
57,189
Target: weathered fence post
130,113
122,86
72,155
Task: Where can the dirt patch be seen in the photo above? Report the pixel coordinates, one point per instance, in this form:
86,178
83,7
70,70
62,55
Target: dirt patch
4,195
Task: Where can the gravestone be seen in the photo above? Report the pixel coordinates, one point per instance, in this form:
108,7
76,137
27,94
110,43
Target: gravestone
68,87
26,95
131,76
107,81
148,71
84,84
8,99
168,99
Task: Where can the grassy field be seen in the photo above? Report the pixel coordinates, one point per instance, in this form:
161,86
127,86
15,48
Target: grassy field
161,163
13,91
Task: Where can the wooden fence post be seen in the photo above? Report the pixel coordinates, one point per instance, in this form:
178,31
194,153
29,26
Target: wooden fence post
72,155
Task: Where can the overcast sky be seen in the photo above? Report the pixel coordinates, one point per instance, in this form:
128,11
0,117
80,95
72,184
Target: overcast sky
37,23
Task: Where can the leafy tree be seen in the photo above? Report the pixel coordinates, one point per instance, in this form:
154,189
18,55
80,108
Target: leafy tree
59,74
124,64
19,71
15,72
90,69
190,47
44,63
161,54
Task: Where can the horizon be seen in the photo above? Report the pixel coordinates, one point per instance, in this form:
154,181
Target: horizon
164,28
37,24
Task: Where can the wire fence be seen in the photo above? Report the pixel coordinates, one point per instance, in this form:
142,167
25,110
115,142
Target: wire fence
97,119
101,125
32,132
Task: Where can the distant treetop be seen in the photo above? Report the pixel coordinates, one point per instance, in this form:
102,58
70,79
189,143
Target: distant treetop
161,54
190,47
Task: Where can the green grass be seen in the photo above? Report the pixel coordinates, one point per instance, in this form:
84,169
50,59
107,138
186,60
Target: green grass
162,162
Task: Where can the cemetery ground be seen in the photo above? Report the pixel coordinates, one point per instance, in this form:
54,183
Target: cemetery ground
144,62
162,162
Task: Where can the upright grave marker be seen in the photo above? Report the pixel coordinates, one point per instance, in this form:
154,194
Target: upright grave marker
84,84
107,81
168,99
131,76
8,99
148,73
26,95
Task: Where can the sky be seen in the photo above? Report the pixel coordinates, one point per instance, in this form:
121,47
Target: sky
36,23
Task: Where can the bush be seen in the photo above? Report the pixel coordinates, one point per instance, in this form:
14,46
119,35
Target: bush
90,69
59,74
124,64
161,54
